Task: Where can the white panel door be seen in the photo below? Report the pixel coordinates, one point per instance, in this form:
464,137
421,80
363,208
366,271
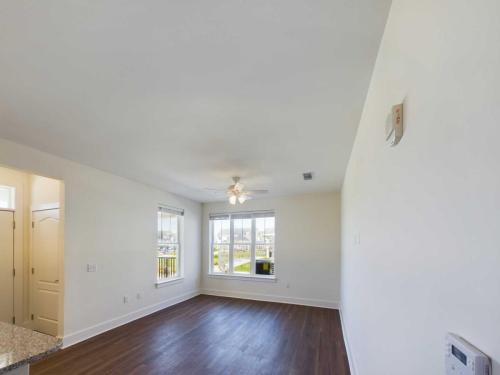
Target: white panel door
6,266
45,271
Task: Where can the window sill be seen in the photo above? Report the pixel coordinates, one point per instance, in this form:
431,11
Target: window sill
265,278
162,283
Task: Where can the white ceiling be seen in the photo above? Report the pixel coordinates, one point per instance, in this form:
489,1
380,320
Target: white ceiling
184,94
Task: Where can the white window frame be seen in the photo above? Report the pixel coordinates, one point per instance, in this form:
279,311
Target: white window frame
179,259
231,216
11,204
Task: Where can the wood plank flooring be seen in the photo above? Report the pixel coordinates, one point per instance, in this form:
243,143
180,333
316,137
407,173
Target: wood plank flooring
212,335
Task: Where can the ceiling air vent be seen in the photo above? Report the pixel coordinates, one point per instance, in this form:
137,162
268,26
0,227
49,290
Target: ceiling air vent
307,176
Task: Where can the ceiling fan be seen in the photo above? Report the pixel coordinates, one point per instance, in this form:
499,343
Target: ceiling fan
237,193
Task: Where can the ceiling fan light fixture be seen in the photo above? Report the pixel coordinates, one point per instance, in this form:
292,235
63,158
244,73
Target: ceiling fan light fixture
237,193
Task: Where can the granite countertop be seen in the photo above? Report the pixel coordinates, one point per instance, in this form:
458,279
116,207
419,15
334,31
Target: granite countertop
20,346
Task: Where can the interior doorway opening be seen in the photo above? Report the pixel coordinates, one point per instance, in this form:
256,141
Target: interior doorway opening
31,251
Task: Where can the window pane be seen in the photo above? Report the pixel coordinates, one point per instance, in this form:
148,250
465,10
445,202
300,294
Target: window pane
221,230
264,259
7,197
242,257
169,227
217,227
269,230
242,230
167,261
220,260
264,229
159,226
260,229
225,231
174,226
264,248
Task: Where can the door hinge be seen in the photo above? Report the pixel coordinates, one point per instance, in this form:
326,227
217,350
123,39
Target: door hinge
32,270
32,224
32,317
14,272
14,225
13,320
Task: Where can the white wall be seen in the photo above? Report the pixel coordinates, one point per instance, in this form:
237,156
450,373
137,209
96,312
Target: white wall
44,191
428,211
307,251
110,221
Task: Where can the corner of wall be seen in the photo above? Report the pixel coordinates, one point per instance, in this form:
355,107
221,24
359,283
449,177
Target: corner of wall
350,355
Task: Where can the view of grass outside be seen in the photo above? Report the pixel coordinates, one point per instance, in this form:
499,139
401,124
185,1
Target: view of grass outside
221,258
241,258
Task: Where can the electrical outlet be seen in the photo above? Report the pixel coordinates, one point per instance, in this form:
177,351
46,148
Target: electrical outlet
125,299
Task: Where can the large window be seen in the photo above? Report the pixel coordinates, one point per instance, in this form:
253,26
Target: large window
169,245
242,244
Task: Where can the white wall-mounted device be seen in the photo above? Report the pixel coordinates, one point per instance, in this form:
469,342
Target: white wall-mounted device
464,359
394,128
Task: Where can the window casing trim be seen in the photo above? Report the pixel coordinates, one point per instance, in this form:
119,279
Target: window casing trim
236,276
160,283
241,214
171,209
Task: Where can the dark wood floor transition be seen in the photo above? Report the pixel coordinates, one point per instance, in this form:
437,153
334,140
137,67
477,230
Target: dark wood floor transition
212,335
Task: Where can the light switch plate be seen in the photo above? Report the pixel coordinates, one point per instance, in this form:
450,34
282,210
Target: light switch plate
91,268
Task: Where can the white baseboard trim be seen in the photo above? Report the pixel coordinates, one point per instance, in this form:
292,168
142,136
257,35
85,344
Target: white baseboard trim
350,357
272,298
84,334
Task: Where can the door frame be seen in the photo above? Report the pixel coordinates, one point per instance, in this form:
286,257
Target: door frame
43,207
13,265
20,181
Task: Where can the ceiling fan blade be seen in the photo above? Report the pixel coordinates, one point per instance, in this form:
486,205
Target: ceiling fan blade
216,192
257,191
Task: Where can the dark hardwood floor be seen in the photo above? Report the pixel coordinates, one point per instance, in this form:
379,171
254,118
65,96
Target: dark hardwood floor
212,335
